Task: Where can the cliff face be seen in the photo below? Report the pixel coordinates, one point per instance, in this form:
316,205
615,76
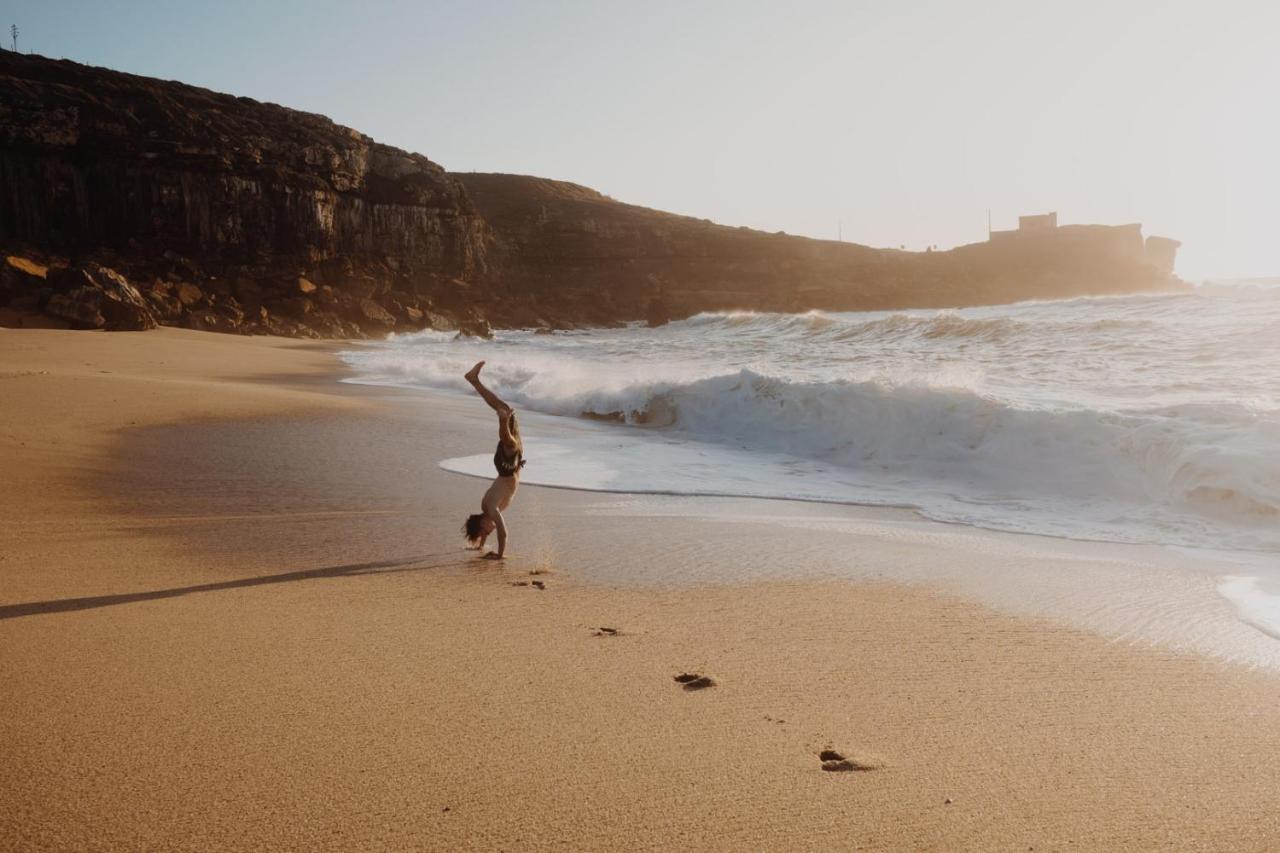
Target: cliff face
126,202
572,249
189,186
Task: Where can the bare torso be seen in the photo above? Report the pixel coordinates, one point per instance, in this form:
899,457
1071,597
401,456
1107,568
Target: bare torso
500,493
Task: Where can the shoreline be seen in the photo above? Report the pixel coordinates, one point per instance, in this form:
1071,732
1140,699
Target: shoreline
1127,581
284,639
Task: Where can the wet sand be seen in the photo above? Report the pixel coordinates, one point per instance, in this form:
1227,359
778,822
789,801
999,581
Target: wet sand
235,613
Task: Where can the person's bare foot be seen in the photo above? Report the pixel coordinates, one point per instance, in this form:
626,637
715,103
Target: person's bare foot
474,373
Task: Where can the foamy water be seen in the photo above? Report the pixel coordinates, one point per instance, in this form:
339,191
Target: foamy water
1141,419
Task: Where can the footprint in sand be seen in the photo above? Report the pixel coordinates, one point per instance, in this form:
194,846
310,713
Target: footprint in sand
694,681
534,584
834,762
605,632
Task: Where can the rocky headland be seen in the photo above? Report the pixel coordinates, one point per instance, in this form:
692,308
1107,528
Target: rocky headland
128,202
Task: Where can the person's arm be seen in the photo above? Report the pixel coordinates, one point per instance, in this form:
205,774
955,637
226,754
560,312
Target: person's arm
501,526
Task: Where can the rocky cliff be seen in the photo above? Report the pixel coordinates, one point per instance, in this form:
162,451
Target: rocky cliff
127,201
233,213
574,251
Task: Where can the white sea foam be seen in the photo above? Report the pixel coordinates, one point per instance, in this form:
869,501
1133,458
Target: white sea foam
1257,606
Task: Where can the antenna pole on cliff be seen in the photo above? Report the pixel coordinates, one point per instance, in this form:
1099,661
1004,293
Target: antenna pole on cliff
13,31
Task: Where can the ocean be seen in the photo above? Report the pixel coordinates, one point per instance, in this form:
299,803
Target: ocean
1151,419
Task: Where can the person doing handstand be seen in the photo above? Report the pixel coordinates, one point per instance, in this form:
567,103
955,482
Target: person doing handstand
508,459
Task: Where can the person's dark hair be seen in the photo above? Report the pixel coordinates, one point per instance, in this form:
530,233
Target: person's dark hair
473,528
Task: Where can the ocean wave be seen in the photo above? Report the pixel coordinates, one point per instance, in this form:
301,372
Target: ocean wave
928,326
1211,463
990,448
1153,418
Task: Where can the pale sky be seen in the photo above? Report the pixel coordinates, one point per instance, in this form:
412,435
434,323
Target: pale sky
904,121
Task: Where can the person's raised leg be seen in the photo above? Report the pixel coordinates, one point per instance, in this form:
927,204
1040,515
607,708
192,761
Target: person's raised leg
495,403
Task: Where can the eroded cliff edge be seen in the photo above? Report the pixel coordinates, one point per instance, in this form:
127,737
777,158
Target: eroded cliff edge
224,212
127,201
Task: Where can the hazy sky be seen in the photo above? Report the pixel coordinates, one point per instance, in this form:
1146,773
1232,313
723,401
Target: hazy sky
905,121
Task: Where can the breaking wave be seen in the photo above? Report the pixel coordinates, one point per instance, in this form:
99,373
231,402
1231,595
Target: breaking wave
1128,416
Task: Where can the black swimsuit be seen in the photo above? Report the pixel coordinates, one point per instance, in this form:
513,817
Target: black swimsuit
507,465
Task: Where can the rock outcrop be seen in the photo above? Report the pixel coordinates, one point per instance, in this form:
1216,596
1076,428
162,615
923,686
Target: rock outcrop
216,207
127,202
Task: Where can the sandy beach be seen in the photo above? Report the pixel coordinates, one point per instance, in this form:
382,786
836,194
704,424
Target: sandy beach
236,613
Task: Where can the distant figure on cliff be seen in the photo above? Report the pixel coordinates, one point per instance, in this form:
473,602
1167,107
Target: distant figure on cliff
508,459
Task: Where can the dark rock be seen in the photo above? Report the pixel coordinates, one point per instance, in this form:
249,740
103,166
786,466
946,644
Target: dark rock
375,317
96,297
657,313
81,307
326,324
208,321
21,276
67,279
361,287
295,308
124,309
183,267
167,308
475,328
441,322
188,294
230,310
248,292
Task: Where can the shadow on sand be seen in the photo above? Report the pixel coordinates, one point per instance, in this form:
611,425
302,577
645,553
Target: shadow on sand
64,605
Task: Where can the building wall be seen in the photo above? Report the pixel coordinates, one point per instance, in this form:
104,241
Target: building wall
1162,253
1038,222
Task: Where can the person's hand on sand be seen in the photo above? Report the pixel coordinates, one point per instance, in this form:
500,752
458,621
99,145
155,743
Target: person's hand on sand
493,555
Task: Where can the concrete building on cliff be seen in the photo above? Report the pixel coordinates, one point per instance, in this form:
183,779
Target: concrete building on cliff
1037,223
1161,253
1124,241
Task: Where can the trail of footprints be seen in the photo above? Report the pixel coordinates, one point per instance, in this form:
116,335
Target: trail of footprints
831,760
